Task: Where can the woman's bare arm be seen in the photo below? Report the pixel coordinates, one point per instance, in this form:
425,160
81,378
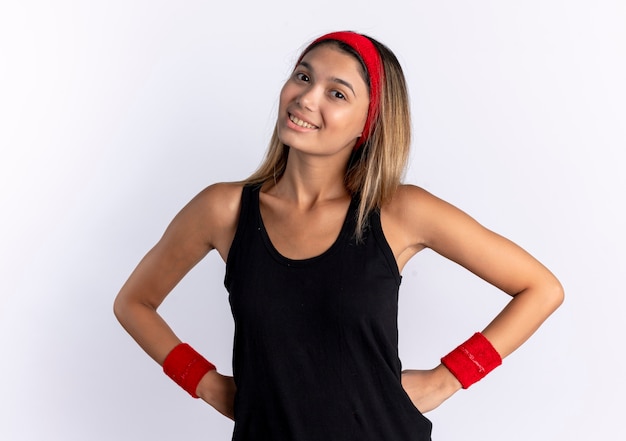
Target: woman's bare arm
207,222
417,220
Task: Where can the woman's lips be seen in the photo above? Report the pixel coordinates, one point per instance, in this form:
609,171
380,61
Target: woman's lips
301,123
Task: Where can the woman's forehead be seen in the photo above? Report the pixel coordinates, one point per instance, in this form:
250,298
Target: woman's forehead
329,57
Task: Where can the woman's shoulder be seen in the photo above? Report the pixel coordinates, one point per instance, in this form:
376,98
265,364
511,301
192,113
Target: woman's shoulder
402,219
214,213
428,220
219,203
223,194
408,199
413,214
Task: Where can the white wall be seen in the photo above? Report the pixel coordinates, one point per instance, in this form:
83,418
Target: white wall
114,114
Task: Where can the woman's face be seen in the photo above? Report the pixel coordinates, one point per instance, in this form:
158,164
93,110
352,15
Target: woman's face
323,105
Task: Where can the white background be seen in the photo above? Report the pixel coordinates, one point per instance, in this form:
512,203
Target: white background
114,114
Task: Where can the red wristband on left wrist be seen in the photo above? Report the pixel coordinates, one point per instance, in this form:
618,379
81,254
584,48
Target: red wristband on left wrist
472,360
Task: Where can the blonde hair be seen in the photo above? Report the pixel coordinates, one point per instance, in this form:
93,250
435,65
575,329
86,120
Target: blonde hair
375,170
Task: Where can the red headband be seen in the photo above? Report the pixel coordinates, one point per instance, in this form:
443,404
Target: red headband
373,64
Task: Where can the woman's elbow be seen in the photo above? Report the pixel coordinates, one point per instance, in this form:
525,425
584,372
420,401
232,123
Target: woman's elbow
119,307
554,294
122,308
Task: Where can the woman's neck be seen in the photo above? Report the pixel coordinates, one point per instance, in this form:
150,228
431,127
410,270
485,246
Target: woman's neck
310,179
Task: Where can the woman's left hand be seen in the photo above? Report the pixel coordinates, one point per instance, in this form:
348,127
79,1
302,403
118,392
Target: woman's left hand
429,388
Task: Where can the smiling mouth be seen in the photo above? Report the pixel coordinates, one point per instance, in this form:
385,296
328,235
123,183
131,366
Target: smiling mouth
300,123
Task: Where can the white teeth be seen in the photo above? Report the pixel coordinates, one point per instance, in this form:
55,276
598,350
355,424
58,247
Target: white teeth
301,123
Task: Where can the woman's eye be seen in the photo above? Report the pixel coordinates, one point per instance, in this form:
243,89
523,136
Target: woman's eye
338,95
302,77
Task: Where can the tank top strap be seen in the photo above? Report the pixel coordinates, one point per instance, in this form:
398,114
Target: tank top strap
248,209
246,221
376,228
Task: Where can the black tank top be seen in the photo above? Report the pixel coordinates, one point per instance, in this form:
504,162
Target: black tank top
316,340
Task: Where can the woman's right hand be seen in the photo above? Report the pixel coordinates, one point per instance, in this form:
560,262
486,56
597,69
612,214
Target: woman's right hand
219,391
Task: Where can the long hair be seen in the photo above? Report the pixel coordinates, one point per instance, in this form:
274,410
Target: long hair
375,170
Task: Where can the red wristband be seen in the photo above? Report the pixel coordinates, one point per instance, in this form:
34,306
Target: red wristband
472,360
186,367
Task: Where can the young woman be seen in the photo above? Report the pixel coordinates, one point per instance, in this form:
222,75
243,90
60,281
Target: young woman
314,244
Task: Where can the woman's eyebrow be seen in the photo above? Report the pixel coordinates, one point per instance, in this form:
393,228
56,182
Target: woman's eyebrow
333,79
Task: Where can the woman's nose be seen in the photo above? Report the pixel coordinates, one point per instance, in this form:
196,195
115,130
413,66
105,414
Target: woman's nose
309,98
